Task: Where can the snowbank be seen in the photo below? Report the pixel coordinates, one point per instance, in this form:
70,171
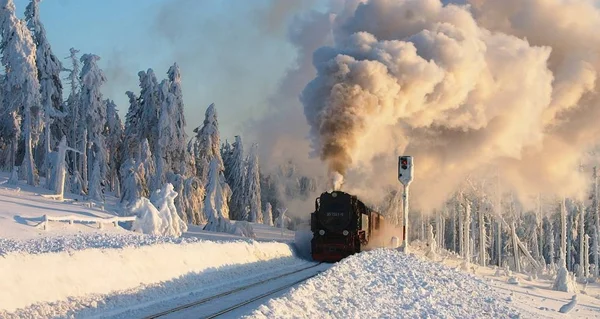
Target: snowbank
26,279
390,284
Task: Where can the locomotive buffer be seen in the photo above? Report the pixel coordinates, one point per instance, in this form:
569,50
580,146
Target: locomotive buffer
405,176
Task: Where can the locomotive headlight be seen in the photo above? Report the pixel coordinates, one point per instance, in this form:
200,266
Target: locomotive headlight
321,232
345,232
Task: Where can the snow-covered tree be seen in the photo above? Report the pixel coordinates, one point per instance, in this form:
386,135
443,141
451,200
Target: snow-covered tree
268,215
132,183
148,164
49,68
131,143
150,104
215,201
205,146
177,147
114,141
253,186
73,120
95,114
237,177
21,85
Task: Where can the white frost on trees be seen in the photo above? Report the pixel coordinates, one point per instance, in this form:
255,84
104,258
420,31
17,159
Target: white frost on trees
114,140
95,114
49,68
205,146
253,186
237,177
268,215
22,88
215,201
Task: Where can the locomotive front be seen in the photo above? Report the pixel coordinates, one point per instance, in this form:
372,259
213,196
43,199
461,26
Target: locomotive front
335,224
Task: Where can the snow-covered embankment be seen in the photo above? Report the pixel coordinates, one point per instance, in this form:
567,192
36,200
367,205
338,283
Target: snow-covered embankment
385,283
60,273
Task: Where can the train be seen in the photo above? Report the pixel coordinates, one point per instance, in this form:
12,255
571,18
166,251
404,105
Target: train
342,225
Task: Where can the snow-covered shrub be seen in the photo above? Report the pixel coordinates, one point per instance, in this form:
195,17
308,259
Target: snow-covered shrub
244,228
164,200
563,281
268,215
158,216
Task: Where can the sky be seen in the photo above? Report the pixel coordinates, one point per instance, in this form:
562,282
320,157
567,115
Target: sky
231,53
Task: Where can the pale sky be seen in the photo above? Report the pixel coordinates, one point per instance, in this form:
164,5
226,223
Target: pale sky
232,53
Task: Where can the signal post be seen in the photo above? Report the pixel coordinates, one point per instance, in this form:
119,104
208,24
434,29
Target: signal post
405,176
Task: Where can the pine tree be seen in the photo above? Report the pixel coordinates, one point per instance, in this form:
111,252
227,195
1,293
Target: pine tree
22,88
95,114
237,181
131,144
268,215
215,201
205,146
49,68
74,114
150,103
253,186
177,149
114,141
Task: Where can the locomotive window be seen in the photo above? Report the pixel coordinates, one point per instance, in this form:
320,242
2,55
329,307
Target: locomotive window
365,223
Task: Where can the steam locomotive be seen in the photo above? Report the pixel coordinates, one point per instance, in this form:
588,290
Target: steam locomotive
342,225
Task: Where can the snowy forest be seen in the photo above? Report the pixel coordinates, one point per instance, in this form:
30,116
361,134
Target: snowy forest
58,131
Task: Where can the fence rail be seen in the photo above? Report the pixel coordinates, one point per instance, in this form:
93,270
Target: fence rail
82,219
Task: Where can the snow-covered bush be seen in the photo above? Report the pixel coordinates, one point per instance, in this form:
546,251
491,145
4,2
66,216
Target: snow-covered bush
158,216
563,281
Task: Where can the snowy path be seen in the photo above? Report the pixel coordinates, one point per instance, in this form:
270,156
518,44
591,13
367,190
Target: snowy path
244,299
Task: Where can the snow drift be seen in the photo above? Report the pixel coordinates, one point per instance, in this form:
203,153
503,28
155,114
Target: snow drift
27,279
397,286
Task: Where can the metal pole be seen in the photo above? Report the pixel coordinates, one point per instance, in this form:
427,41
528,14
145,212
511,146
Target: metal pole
405,219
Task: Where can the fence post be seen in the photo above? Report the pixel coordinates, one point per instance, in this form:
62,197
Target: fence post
45,222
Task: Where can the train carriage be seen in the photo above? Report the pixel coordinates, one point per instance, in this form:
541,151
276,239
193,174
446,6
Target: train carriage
342,225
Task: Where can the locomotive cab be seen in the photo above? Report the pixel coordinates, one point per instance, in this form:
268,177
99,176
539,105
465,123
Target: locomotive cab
340,224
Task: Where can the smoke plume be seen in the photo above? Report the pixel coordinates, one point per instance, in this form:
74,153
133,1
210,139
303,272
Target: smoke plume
503,85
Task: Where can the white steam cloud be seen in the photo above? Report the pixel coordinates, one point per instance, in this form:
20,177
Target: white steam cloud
507,84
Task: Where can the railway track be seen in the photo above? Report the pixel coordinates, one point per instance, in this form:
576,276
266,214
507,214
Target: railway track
189,307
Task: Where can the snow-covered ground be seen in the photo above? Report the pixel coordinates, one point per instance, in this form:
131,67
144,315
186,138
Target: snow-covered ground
22,208
78,270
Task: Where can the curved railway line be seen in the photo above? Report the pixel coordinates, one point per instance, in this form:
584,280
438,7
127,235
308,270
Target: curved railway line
221,310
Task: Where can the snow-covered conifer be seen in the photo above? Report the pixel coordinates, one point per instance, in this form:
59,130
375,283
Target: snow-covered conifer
132,184
205,146
149,108
215,201
268,215
73,120
177,149
253,186
49,68
131,143
148,164
22,88
237,177
95,114
114,141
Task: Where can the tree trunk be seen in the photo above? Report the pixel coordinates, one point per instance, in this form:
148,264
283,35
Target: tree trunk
581,235
499,242
515,247
482,239
563,233
596,233
28,163
467,231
